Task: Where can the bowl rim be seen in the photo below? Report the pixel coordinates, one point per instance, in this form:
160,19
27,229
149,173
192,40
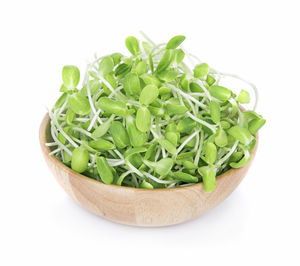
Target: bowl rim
46,150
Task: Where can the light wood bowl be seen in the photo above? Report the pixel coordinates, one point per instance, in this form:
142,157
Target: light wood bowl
136,206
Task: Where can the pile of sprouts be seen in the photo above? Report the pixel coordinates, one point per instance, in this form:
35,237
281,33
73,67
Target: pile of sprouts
157,118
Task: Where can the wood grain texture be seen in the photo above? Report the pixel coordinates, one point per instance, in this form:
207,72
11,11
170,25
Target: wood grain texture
135,206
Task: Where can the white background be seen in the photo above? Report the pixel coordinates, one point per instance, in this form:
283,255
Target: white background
257,225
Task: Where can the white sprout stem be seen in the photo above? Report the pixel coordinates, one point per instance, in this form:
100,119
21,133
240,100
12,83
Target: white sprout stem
226,157
154,134
111,162
133,169
81,130
240,117
147,163
98,94
86,74
157,180
64,105
77,140
112,153
188,57
185,68
189,102
125,174
188,184
50,144
247,153
204,89
86,81
55,151
59,143
197,157
158,53
248,82
147,38
115,91
185,142
187,96
157,154
105,82
220,154
197,143
54,129
233,102
164,155
119,154
82,119
174,94
195,57
53,118
96,113
115,162
211,127
93,162
90,98
94,120
197,94
171,185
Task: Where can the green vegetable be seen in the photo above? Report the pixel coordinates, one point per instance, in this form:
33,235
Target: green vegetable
162,167
211,153
80,159
103,128
186,125
167,145
146,185
185,177
137,137
165,61
149,94
175,42
79,105
201,71
241,134
70,77
106,65
119,134
60,101
215,112
101,145
132,84
113,106
256,124
143,119
220,93
132,45
209,178
148,120
104,170
221,139
172,137
244,97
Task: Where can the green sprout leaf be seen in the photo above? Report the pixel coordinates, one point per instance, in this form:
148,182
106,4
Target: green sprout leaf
175,42
70,77
80,105
132,45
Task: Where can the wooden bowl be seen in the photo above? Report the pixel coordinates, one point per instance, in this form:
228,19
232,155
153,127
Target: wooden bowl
136,206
